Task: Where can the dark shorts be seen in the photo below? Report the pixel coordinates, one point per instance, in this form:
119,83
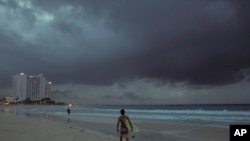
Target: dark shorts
123,130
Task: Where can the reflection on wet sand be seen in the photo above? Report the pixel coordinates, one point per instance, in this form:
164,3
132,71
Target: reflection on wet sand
29,114
22,112
44,116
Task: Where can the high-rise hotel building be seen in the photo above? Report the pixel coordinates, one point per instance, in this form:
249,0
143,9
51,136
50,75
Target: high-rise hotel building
34,87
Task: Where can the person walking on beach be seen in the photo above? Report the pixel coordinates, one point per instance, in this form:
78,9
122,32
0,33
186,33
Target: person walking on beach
68,110
121,123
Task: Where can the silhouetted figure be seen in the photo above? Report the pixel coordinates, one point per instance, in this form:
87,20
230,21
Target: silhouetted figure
121,123
68,110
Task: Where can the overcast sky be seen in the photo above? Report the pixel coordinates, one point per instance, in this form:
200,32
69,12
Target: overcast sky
130,51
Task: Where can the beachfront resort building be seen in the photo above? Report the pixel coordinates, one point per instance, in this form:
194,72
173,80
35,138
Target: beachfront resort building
32,87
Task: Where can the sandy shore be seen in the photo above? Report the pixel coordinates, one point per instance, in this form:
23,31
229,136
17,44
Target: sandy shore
15,128
73,128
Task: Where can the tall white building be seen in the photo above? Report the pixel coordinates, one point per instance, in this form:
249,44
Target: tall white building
34,87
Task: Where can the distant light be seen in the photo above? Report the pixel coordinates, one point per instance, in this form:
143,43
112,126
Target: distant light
70,103
31,76
21,73
50,82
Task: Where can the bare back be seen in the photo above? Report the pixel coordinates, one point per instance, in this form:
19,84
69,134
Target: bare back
122,119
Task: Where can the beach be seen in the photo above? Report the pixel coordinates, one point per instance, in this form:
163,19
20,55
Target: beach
15,128
47,127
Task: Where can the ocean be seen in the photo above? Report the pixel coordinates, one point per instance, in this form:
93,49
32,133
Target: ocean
214,115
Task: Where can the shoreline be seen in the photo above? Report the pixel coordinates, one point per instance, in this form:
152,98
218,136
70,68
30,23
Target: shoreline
105,128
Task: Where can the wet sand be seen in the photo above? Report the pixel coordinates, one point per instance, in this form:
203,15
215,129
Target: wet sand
15,128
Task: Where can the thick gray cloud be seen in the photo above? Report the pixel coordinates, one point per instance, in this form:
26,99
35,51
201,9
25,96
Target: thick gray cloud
131,96
102,42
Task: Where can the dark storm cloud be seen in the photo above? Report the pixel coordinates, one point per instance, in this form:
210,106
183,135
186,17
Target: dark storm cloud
127,96
133,96
101,42
66,94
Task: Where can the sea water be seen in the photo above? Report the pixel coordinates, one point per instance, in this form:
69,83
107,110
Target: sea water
217,115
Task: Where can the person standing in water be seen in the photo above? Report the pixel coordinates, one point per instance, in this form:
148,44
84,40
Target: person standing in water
121,123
